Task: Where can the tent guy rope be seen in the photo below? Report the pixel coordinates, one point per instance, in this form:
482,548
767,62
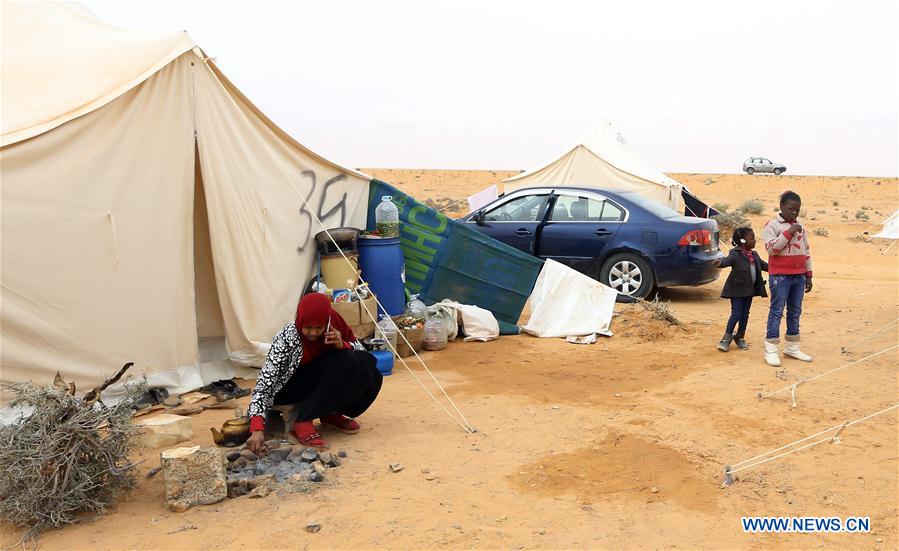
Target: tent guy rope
762,458
795,385
872,336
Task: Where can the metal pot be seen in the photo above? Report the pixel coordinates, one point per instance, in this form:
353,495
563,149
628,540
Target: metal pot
345,238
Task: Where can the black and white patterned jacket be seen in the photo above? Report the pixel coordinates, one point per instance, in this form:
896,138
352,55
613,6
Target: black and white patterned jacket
281,363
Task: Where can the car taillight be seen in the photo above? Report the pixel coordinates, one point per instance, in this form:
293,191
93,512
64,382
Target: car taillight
696,238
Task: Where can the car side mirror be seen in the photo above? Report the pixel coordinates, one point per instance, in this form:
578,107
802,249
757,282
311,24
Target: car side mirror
479,217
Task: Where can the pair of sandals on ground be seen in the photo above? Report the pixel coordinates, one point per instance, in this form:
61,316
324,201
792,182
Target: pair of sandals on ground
223,391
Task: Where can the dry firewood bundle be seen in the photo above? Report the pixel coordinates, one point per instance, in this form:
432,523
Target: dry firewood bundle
63,455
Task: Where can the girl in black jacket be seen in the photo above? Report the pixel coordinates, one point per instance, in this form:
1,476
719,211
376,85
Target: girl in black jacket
744,282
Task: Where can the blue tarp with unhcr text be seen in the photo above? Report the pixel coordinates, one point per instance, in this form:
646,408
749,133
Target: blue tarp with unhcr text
446,259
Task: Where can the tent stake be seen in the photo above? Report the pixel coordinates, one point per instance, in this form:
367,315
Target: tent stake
836,437
728,479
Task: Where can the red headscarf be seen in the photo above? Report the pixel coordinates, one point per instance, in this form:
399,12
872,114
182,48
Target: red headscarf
314,310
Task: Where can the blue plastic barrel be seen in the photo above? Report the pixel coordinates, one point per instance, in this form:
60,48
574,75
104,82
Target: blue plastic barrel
381,262
385,361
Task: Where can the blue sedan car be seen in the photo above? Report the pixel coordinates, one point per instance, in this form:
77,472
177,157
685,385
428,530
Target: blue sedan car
622,239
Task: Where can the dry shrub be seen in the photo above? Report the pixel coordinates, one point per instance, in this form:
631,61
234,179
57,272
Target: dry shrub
822,232
63,456
445,204
659,310
728,221
752,206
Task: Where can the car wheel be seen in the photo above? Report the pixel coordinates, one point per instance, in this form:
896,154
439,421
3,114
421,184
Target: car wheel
629,274
778,171
750,170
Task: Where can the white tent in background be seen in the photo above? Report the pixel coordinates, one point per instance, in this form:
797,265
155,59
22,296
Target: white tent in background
150,212
602,159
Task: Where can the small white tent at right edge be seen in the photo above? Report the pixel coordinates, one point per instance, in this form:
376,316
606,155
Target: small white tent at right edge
603,159
890,227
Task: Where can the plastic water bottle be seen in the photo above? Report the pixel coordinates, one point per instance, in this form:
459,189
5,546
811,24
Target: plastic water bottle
416,308
387,330
387,218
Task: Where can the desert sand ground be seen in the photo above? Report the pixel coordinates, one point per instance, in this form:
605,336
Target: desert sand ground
573,439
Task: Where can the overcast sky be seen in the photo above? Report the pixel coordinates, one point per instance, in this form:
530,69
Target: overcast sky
694,86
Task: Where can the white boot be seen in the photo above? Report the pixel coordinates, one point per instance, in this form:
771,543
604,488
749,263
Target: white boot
772,354
792,350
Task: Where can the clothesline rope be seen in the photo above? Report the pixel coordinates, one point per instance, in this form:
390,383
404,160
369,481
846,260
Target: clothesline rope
748,463
810,379
464,422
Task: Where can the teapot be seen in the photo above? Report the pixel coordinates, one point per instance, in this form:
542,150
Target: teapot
234,432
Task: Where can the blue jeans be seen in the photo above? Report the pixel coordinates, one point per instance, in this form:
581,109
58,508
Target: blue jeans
786,291
739,314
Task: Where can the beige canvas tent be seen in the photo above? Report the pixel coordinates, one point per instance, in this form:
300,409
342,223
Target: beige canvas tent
150,212
604,159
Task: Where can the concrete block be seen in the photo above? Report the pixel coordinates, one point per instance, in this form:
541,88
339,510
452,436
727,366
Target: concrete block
193,476
164,430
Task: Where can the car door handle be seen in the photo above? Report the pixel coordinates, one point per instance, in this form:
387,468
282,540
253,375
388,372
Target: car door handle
602,231
522,231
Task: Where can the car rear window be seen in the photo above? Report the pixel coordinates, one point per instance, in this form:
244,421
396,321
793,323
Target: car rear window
653,207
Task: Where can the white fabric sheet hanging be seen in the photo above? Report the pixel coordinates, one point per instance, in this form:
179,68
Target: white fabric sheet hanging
482,198
567,303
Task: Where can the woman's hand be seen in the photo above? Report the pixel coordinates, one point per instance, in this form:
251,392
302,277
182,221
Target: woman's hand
333,337
256,442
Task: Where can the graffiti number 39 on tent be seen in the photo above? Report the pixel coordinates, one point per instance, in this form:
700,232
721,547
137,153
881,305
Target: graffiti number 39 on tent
321,215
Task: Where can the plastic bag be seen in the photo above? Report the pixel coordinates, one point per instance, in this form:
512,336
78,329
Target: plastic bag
477,323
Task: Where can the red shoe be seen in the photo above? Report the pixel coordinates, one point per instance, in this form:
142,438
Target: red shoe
341,423
304,434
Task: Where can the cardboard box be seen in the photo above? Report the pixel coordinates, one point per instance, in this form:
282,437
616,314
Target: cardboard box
415,338
356,317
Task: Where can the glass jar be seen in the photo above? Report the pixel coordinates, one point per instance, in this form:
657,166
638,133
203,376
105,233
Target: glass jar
387,218
434,334
388,331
